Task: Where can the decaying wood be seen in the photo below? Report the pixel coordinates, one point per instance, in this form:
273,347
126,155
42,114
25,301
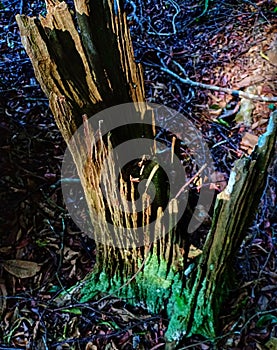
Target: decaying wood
234,210
93,68
85,70
82,72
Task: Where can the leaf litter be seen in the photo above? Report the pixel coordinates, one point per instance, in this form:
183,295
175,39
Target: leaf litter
43,253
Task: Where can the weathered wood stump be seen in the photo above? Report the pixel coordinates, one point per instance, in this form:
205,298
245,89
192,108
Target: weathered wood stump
88,66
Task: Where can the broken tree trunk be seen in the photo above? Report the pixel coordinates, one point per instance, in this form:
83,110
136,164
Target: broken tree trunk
85,68
234,210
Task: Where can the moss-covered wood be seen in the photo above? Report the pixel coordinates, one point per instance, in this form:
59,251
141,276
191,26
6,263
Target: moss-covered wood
234,210
85,70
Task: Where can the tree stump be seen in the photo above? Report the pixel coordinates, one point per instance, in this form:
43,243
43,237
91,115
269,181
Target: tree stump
86,67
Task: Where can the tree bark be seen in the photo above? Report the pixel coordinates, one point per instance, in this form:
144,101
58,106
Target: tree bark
85,68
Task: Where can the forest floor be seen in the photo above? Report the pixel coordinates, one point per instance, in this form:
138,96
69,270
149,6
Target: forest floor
231,44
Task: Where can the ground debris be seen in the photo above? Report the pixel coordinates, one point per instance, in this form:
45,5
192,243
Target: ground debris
226,44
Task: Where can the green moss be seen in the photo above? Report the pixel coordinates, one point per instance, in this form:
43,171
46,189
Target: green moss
203,312
156,292
178,310
150,286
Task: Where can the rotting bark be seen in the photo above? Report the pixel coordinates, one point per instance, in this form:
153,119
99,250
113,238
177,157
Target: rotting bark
87,70
234,210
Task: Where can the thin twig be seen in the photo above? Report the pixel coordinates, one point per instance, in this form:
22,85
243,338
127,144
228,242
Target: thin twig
191,180
258,314
236,93
177,8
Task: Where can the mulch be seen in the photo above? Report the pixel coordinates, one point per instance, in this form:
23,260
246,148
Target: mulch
42,253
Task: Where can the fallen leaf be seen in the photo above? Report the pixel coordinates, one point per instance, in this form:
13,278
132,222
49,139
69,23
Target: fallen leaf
259,123
124,314
5,250
90,346
265,320
248,142
272,343
21,268
246,108
250,80
269,288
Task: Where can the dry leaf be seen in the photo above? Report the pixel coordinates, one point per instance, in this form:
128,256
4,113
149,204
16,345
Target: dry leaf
269,288
90,346
124,314
246,108
259,123
249,80
5,250
272,343
21,268
248,142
